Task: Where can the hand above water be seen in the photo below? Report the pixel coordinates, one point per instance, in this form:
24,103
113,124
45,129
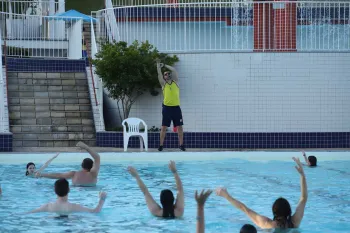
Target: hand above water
202,197
82,145
222,192
132,171
172,166
102,195
299,166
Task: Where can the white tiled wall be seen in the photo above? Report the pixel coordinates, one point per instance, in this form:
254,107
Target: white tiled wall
259,92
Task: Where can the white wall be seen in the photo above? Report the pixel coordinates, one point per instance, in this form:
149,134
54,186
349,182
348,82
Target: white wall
259,92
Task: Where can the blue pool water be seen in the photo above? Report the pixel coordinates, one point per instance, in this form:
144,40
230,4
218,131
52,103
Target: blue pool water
257,183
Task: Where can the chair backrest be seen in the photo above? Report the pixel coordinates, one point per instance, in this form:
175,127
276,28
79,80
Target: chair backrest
133,125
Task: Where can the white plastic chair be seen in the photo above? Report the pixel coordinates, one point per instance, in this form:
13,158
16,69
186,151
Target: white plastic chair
133,125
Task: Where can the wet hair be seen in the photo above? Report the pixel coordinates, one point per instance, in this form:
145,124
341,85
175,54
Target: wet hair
61,187
87,164
282,213
312,160
167,201
28,164
247,228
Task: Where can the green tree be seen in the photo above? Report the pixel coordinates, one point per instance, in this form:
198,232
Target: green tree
129,71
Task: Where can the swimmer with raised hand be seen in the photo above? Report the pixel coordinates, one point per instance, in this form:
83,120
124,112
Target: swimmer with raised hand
281,209
63,207
310,161
169,210
85,177
30,172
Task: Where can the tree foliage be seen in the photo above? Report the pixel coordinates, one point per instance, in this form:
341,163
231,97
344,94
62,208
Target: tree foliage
129,71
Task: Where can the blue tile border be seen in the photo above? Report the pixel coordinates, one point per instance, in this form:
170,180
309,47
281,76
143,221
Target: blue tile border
234,140
5,142
44,65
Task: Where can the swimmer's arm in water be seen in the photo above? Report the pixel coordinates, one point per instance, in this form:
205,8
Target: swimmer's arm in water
97,159
47,163
306,160
67,175
97,209
260,220
299,211
159,71
180,199
153,207
44,208
174,73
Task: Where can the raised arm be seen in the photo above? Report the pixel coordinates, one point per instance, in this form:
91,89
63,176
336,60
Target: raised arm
48,163
180,199
260,220
174,74
153,207
159,71
97,209
201,199
299,211
305,157
97,160
67,175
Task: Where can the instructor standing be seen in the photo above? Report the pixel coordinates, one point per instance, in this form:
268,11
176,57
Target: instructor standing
171,110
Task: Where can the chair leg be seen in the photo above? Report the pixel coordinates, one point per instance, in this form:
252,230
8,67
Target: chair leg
141,143
126,142
145,140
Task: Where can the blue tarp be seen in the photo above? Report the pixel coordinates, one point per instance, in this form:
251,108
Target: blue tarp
71,15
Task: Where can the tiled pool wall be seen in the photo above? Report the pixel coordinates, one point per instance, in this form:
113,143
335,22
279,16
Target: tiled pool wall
217,140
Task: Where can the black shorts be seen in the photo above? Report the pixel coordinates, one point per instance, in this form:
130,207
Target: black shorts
172,113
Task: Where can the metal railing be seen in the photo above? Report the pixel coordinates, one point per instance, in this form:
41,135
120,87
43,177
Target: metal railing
36,36
173,3
30,7
224,27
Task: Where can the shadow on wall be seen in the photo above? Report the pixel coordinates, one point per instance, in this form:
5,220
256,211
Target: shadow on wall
110,112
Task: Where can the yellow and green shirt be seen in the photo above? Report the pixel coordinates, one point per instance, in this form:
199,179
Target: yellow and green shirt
171,93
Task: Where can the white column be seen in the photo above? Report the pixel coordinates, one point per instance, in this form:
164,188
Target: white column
61,6
74,39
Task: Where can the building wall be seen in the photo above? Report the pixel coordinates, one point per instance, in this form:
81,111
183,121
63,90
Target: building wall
258,92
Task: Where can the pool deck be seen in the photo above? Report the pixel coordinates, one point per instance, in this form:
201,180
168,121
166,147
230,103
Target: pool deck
117,155
112,149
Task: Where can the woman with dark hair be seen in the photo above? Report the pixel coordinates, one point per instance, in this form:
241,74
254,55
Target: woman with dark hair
169,210
30,171
282,212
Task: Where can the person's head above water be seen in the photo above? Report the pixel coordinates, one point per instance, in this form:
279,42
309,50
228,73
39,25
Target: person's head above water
87,164
61,187
247,228
312,161
167,200
282,213
30,168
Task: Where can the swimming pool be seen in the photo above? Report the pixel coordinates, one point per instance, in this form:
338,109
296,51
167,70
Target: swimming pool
255,178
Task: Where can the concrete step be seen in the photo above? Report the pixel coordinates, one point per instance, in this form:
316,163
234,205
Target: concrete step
55,121
52,94
48,107
51,143
14,115
45,100
41,75
48,88
52,128
54,135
